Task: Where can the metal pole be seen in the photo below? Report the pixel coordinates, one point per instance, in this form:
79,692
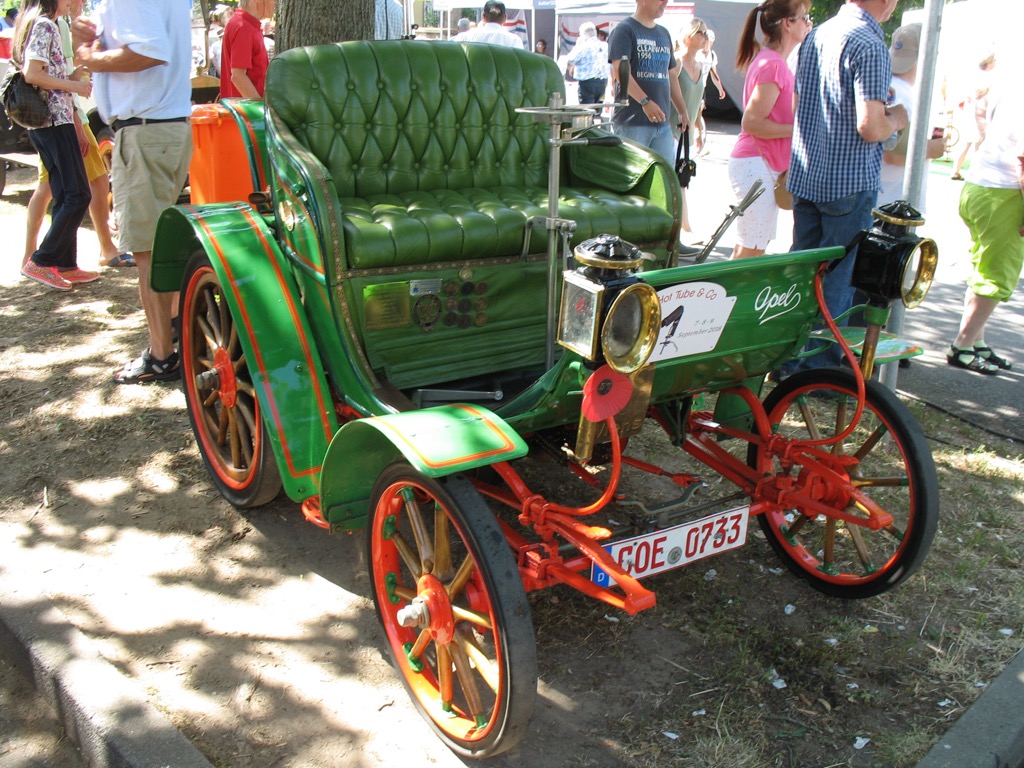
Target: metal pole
916,174
554,267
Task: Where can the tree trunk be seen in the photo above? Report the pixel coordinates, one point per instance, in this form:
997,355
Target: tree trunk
312,22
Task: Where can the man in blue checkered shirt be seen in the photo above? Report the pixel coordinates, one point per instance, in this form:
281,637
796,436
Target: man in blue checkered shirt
842,84
588,63
388,20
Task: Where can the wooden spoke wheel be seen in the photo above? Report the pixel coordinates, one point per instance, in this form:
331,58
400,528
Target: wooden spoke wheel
451,601
219,393
886,458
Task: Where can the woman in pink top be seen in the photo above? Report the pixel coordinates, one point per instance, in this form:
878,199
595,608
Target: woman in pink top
762,150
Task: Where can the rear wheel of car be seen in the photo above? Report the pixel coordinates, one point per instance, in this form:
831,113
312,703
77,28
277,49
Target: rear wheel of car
219,392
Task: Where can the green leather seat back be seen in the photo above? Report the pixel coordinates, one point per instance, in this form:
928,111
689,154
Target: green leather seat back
401,116
432,174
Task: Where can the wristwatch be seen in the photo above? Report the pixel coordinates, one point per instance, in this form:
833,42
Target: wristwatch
644,101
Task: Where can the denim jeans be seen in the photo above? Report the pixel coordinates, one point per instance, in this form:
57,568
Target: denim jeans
656,136
592,91
62,157
819,225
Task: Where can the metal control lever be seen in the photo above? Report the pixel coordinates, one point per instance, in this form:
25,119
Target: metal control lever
755,191
622,91
422,397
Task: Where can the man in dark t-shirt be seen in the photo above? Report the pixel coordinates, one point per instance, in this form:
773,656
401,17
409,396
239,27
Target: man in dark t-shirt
648,46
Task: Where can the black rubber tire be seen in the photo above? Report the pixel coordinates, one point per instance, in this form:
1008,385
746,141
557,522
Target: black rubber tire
458,515
894,450
226,419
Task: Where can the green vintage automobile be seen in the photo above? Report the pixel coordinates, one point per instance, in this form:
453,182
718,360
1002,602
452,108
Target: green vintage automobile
444,275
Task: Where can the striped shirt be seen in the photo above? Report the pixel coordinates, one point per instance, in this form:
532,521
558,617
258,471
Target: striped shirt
841,63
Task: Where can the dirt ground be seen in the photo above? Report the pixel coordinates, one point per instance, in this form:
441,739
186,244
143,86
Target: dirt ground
254,632
30,734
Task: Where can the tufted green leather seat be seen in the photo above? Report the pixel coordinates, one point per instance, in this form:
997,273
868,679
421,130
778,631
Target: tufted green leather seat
404,179
429,160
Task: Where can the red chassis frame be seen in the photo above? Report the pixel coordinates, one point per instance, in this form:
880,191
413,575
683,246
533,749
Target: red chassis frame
822,487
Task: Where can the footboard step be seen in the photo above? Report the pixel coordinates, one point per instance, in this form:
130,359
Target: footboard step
890,347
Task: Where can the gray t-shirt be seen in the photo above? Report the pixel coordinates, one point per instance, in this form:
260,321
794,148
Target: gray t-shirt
650,60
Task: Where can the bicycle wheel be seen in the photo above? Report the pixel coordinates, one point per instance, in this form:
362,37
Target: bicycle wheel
219,393
886,458
451,601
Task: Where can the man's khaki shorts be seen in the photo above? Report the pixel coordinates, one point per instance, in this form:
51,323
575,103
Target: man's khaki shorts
148,172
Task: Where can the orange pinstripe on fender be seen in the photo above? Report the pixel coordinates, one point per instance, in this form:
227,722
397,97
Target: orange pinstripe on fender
260,364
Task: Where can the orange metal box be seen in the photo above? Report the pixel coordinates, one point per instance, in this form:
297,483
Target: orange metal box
219,171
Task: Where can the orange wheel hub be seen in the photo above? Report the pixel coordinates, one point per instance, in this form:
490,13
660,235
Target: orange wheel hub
442,622
226,377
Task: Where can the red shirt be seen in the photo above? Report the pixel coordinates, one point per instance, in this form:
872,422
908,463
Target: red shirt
243,48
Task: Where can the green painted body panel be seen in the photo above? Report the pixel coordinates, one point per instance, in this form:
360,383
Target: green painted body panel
248,115
274,333
310,229
436,441
752,342
758,334
773,312
415,340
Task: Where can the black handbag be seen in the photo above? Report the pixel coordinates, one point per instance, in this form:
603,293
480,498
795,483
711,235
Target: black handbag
686,168
24,104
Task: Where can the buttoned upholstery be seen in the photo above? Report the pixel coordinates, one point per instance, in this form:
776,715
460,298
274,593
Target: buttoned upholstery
427,155
403,175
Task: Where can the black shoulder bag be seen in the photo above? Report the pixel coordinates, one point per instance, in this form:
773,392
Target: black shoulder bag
24,104
686,168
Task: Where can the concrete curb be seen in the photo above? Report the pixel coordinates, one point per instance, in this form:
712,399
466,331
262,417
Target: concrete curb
104,713
990,734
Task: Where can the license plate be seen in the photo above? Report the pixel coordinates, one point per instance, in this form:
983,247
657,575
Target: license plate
670,548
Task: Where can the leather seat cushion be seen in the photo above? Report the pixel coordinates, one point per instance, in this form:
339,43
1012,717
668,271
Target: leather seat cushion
444,225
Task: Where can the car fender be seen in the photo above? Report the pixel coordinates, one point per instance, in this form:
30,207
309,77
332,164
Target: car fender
264,299
251,121
436,441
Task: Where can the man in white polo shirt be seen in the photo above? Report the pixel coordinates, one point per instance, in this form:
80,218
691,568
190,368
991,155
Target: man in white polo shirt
492,30
140,54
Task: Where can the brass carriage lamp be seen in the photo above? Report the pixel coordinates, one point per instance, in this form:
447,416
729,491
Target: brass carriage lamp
892,262
611,318
608,315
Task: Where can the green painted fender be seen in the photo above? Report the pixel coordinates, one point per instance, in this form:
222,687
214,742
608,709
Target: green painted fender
251,121
436,441
264,299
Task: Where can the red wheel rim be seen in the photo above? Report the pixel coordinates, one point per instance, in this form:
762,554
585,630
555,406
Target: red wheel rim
447,655
226,414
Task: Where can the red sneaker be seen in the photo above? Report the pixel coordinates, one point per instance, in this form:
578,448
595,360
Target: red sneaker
77,275
48,276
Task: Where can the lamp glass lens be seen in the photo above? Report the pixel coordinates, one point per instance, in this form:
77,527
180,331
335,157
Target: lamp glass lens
577,326
919,272
631,328
623,326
